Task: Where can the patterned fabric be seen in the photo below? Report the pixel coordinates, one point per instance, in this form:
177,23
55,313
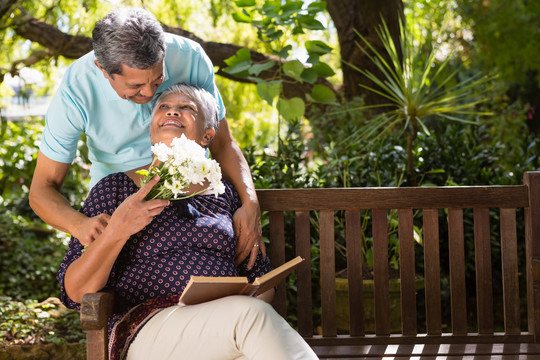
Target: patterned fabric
155,264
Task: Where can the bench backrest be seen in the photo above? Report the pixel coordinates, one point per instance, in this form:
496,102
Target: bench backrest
317,208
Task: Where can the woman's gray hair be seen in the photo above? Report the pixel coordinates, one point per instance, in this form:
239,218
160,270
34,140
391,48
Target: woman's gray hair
130,36
206,102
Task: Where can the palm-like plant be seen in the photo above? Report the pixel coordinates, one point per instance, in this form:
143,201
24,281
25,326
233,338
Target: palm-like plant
416,88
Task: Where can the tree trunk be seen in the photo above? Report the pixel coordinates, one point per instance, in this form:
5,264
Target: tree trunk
363,16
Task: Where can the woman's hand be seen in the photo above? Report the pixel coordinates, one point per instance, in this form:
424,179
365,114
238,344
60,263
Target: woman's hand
89,273
135,213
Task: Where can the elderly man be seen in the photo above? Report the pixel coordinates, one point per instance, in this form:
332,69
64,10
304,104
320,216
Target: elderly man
106,95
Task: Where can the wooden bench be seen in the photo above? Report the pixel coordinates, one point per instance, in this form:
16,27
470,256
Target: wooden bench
478,336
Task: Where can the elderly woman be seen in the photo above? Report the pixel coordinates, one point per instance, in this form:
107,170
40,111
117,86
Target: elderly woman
150,249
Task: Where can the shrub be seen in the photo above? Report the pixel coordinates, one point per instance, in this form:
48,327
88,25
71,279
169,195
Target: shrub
30,322
30,254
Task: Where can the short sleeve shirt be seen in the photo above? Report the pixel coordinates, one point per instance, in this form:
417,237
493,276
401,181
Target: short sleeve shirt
117,130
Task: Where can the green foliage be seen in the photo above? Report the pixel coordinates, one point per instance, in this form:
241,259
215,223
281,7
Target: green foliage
506,36
30,254
417,88
276,23
30,322
17,156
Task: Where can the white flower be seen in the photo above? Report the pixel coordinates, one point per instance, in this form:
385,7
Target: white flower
182,164
162,151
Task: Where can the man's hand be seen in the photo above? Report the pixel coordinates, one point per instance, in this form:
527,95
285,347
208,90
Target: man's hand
90,228
247,227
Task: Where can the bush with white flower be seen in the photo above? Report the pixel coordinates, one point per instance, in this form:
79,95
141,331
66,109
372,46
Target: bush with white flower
181,165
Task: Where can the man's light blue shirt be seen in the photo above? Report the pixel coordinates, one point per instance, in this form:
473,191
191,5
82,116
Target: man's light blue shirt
117,130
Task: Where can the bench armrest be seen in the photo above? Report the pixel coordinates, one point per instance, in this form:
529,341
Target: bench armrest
96,309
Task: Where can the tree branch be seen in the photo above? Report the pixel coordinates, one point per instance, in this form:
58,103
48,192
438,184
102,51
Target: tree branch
5,7
75,46
58,43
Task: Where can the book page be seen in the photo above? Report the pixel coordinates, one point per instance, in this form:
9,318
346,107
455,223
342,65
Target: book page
276,276
205,288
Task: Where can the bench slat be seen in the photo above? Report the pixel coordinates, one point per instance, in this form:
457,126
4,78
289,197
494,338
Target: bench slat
328,273
277,256
510,271
407,272
428,351
458,294
380,272
354,272
303,274
394,198
532,234
432,271
484,286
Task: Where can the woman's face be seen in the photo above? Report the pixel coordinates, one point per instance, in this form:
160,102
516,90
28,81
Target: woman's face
177,114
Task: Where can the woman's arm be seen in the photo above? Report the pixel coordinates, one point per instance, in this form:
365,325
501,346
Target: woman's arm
90,272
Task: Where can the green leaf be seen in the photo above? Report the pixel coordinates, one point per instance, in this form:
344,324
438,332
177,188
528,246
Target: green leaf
256,69
298,30
323,94
317,47
242,17
323,70
290,8
316,6
291,109
309,75
293,69
273,35
309,22
241,55
245,3
313,59
269,90
283,53
271,8
238,68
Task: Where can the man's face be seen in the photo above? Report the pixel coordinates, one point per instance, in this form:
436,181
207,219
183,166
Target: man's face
136,85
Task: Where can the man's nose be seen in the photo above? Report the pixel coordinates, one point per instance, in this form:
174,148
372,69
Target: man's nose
148,90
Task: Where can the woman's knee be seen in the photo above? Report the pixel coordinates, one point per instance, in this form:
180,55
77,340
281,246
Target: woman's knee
249,307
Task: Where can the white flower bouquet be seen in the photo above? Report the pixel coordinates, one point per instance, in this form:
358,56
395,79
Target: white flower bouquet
181,165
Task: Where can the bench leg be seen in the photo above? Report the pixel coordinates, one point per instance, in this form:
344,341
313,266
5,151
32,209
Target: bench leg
97,345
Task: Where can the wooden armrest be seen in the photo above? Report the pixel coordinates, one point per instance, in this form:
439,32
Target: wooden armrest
96,309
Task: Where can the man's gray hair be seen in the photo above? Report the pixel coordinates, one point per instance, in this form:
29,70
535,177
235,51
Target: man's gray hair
130,36
206,102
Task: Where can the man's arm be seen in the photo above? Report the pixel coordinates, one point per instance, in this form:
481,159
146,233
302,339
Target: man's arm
235,169
54,209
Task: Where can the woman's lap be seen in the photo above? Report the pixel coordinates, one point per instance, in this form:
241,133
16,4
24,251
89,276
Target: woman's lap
235,327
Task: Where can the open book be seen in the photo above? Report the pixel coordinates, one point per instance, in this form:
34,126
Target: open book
206,288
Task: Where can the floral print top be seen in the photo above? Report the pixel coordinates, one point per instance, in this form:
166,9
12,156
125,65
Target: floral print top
190,237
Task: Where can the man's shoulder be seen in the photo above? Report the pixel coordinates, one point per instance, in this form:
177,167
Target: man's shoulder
81,74
181,42
82,67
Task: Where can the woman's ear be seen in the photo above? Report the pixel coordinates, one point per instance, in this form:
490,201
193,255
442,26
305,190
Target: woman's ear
207,137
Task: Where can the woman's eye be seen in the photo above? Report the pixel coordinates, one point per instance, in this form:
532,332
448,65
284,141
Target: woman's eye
163,106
